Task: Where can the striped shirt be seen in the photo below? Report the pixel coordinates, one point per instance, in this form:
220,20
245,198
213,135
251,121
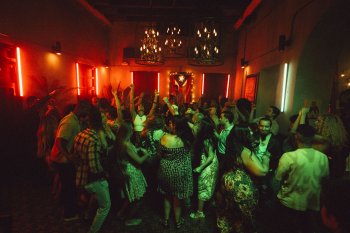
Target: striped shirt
87,145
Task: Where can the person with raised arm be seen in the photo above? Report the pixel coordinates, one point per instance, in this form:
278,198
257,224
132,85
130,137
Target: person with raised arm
139,117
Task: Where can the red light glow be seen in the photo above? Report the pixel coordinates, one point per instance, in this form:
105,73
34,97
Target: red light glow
203,76
158,80
19,66
78,78
132,77
97,88
228,85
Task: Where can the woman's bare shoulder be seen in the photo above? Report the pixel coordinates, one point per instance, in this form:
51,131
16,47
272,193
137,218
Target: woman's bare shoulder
171,141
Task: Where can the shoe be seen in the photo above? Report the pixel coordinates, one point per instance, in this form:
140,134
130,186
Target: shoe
197,215
133,222
165,223
69,219
179,224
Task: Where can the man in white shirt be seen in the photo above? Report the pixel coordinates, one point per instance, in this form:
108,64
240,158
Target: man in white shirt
300,173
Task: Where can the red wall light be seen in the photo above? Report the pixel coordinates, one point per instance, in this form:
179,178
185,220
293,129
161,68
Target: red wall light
78,78
158,81
19,66
228,85
96,79
203,76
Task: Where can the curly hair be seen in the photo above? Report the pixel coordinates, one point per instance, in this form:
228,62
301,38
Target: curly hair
332,128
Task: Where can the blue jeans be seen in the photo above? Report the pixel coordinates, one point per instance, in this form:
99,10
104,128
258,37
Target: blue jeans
100,191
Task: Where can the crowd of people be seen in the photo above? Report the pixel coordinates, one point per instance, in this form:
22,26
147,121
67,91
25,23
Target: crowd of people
192,154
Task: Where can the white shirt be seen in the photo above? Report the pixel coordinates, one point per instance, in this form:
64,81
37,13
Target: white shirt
262,148
300,173
139,123
222,139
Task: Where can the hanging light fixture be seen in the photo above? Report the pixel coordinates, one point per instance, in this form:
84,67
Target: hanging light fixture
172,40
151,52
207,44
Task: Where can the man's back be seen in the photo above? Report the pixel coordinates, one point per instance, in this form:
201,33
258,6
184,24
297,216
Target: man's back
301,172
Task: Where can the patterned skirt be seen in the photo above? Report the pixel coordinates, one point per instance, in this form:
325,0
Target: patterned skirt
207,179
135,188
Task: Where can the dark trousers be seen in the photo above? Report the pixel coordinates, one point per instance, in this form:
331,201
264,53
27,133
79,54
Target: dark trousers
288,220
68,197
224,164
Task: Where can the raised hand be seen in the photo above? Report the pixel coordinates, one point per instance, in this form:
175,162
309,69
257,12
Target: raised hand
166,100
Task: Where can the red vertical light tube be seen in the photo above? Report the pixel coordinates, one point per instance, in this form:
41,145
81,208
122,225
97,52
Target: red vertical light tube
19,66
158,82
78,78
227,85
203,76
96,79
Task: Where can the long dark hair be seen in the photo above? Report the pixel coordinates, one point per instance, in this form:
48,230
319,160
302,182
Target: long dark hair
119,154
183,130
205,132
242,138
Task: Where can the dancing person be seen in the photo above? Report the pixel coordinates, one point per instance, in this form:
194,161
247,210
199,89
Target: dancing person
331,138
237,197
90,174
175,168
134,184
300,173
205,151
63,160
139,117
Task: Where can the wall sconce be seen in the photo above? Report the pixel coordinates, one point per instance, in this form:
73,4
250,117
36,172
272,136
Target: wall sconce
56,48
348,80
106,63
244,63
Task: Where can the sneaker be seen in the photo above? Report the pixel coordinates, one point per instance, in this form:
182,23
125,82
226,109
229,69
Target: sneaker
133,222
73,218
165,223
197,215
180,223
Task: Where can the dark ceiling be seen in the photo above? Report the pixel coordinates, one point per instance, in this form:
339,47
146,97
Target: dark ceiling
170,10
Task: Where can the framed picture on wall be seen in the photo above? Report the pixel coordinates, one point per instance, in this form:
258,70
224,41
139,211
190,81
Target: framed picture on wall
251,87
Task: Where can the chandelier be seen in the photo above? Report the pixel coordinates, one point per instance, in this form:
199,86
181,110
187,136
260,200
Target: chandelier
151,52
172,41
206,49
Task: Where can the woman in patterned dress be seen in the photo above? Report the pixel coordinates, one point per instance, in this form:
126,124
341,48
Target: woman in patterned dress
237,197
128,160
205,151
175,169
151,135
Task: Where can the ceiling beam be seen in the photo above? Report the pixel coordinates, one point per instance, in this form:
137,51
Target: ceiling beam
94,12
